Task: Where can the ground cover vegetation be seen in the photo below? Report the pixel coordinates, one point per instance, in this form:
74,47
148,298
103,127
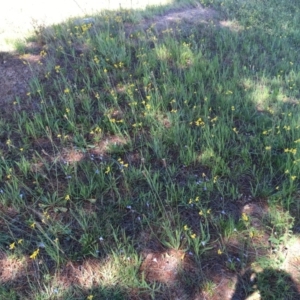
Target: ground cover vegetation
156,162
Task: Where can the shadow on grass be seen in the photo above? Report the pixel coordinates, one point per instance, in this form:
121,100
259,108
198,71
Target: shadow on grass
269,284
243,178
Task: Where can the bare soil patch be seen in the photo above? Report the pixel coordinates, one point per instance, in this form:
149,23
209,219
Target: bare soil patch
15,75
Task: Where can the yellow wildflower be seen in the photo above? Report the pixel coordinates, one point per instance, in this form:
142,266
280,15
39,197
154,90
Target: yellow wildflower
67,197
107,170
34,254
57,69
220,251
245,217
12,246
235,130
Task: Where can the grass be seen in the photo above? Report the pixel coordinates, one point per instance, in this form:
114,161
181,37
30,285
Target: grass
128,170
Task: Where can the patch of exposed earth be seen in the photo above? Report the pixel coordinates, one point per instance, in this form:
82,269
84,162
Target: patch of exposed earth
16,71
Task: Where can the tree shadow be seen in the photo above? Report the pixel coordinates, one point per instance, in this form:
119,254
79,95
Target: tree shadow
269,284
244,181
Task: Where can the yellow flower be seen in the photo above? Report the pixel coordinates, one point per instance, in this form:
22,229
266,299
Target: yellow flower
245,217
20,241
208,211
220,251
251,234
67,197
43,53
66,91
107,170
34,254
96,59
12,246
268,148
185,227
235,130
193,236
293,177
200,213
32,225
199,122
57,69
90,297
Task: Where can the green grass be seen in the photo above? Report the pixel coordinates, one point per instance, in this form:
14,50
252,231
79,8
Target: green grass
139,140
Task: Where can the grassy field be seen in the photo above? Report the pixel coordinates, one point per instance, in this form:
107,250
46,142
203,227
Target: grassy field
157,161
